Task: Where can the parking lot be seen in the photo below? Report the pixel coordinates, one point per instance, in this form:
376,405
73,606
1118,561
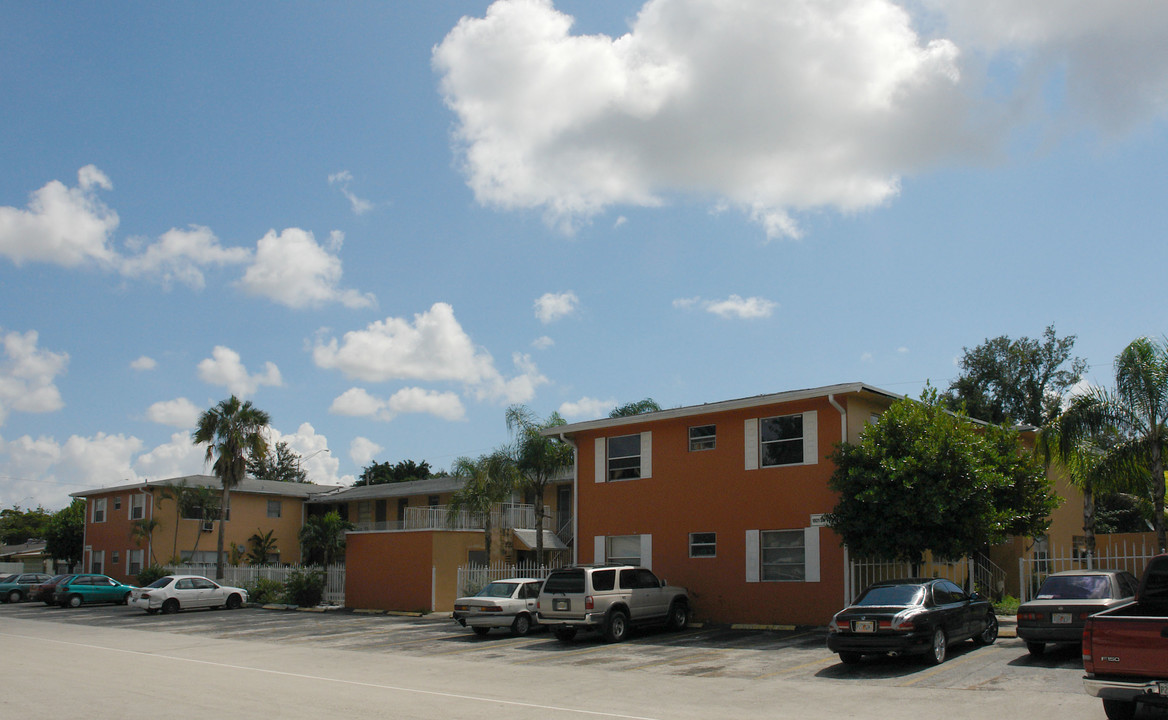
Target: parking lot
709,651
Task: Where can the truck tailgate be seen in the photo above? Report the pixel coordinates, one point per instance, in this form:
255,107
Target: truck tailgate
1131,646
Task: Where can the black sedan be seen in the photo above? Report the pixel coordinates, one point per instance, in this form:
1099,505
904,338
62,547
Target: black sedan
911,617
1064,601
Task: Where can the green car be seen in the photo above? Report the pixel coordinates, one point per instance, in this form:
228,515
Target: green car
89,589
14,588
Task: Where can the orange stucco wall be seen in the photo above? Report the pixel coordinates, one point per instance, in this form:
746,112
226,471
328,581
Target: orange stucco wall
405,570
711,491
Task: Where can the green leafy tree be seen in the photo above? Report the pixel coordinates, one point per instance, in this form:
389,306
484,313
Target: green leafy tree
65,534
1137,411
490,479
924,479
260,546
322,538
18,526
1082,462
1023,380
282,464
539,460
141,531
232,432
403,471
639,407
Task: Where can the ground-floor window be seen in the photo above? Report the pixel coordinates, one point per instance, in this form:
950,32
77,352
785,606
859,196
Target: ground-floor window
703,544
782,555
134,559
97,562
623,549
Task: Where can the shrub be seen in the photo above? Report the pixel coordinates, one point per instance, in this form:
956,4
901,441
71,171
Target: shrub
151,573
265,590
305,589
1008,605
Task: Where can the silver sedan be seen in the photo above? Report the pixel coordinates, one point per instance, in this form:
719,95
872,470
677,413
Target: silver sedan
506,603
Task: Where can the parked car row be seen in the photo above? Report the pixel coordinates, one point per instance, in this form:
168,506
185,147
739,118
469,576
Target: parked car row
167,594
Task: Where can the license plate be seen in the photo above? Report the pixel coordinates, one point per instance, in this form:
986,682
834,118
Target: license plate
561,604
1162,687
864,626
1061,618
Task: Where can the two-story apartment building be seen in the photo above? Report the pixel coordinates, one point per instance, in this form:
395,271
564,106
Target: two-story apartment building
726,498
255,506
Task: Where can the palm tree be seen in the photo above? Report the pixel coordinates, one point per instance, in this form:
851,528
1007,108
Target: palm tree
1137,410
322,539
141,531
489,480
261,546
538,459
233,431
1085,471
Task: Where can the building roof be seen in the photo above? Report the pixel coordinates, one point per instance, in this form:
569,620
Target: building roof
247,485
723,406
32,548
429,486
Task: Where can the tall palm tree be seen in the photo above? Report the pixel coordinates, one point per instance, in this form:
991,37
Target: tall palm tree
538,459
489,480
232,431
1137,410
1084,469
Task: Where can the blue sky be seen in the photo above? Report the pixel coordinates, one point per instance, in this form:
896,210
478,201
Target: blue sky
383,223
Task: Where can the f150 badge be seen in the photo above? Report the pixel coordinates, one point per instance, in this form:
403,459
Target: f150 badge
1109,658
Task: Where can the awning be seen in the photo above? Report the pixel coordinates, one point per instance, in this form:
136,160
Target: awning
550,540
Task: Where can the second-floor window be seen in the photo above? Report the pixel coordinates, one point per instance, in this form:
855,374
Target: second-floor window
781,440
624,457
137,507
702,437
274,508
704,544
99,510
364,511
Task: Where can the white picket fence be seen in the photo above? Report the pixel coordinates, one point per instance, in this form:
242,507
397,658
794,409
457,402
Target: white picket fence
472,578
1034,569
974,573
244,575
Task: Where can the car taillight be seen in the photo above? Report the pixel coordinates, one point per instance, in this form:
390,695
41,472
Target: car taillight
490,608
589,603
903,621
1035,616
538,606
1088,663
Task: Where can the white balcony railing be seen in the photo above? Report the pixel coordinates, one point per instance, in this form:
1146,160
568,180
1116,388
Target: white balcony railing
437,517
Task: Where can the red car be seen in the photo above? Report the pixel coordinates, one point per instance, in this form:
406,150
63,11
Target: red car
44,591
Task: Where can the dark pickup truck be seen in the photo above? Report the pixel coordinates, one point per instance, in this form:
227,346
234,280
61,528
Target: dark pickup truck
1125,649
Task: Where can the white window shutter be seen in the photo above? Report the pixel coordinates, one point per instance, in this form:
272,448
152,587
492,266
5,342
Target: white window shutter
810,438
647,551
646,454
598,550
811,554
752,556
601,461
750,430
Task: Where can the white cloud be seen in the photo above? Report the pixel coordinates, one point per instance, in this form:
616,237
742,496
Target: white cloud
767,107
343,179
44,471
866,357
542,343
225,368
179,413
62,225
550,307
144,363
433,348
180,256
174,458
28,374
316,458
586,407
362,451
292,269
735,306
357,402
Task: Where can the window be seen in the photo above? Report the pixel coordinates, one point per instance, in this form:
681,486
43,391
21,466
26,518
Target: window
202,557
782,555
274,508
433,500
781,440
118,503
624,457
623,549
114,558
701,437
137,507
365,511
99,511
97,561
945,593
134,559
703,545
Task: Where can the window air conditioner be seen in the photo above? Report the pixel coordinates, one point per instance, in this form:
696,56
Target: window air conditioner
208,525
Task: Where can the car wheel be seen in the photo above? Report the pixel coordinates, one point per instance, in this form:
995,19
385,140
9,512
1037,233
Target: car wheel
1119,709
678,616
521,625
125,599
72,601
850,658
14,596
170,607
565,634
1035,648
234,601
939,649
480,631
990,634
616,627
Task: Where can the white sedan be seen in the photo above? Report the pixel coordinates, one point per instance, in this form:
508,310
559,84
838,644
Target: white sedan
506,603
182,592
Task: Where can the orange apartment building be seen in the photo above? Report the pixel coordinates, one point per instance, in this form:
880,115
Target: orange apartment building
726,499
406,548
255,506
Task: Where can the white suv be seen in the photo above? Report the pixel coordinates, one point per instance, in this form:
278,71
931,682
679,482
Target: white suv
609,598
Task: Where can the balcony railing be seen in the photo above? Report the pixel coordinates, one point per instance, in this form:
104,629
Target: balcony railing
438,517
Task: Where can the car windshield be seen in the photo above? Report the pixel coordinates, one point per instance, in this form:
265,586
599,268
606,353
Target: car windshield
892,595
161,582
565,581
1075,587
497,590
